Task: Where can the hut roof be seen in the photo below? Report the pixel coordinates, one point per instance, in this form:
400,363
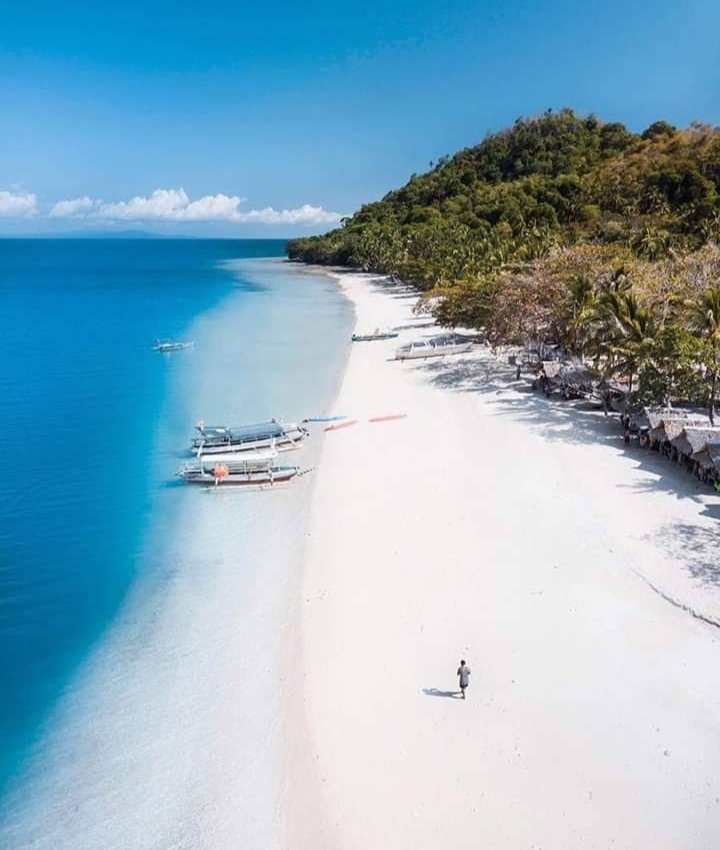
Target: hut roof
709,457
658,415
551,368
578,374
682,444
639,421
673,428
704,459
700,437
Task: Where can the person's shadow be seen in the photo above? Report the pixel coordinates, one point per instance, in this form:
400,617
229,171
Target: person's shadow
434,692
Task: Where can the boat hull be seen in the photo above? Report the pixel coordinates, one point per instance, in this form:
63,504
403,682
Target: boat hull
167,347
278,475
433,351
286,442
372,337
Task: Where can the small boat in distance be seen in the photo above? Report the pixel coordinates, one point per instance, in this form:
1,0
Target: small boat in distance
247,469
165,345
265,435
375,335
438,347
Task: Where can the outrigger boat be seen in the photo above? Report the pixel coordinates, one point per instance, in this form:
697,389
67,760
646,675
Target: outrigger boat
165,345
265,435
438,347
375,335
248,469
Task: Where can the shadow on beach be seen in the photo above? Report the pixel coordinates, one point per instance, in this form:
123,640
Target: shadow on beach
554,419
581,423
434,692
696,546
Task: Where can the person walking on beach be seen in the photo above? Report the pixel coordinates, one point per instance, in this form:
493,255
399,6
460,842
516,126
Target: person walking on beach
463,674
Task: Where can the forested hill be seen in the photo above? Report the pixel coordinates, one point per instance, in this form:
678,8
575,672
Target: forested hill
557,180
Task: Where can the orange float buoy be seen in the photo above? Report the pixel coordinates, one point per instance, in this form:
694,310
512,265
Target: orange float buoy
220,472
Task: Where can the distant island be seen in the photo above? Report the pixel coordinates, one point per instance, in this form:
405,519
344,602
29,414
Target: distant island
564,231
102,234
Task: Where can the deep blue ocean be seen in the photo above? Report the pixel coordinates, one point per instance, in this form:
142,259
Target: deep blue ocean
93,424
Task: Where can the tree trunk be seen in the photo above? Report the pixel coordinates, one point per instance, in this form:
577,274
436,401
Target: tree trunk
711,405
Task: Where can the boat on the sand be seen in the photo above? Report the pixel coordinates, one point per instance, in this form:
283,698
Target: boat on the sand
274,434
237,469
375,335
438,347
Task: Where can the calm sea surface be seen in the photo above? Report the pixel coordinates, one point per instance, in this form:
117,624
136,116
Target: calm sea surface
127,601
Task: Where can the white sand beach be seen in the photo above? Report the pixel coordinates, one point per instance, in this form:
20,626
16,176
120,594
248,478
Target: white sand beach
520,534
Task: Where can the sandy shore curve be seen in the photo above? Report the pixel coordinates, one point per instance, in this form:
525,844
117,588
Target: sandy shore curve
490,523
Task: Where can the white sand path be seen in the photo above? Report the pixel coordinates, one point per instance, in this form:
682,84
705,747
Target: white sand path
493,525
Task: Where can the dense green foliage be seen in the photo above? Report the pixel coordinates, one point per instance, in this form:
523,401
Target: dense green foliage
569,231
555,180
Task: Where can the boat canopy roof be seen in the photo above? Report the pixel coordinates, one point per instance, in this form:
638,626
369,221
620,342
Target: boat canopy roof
236,463
244,432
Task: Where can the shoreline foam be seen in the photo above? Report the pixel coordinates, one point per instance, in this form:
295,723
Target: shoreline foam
169,734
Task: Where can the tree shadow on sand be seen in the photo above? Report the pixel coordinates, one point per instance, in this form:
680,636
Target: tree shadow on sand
556,420
696,547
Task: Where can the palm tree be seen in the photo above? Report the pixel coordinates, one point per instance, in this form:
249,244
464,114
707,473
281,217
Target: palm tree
629,333
704,319
584,313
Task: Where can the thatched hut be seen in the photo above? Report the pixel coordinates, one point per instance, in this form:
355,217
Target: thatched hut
570,377
699,438
550,369
706,453
667,426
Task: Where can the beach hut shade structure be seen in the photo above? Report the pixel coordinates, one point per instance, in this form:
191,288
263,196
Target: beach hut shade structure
699,438
551,368
681,444
673,428
704,459
709,457
656,415
670,423
714,455
572,377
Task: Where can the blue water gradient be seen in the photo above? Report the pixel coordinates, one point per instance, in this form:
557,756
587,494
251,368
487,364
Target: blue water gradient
93,424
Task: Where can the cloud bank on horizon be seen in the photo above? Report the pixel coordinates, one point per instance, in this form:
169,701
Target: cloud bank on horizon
162,205
15,204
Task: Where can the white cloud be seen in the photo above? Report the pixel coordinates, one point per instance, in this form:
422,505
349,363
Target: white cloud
175,205
305,214
16,204
171,205
75,208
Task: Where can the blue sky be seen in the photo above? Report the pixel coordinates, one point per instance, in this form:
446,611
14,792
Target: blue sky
231,118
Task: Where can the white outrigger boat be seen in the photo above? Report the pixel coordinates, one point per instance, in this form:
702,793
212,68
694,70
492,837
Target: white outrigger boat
165,345
265,435
438,347
377,334
245,469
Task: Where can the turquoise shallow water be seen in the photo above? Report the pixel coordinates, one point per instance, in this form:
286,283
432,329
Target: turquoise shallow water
138,616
